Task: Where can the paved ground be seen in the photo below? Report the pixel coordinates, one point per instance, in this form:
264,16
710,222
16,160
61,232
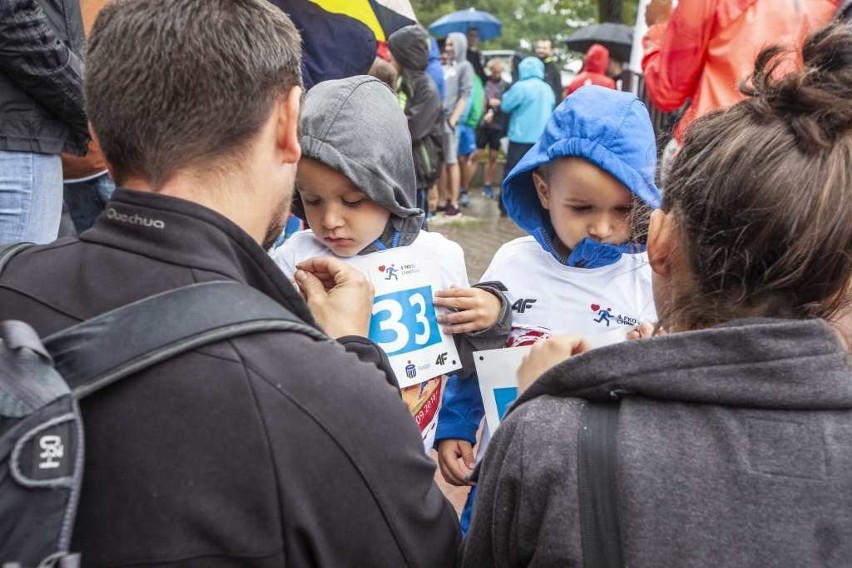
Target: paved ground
480,231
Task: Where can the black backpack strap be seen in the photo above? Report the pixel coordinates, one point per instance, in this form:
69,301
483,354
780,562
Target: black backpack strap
107,348
7,251
598,493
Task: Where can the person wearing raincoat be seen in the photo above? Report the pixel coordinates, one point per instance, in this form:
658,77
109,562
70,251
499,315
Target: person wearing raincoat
594,70
701,50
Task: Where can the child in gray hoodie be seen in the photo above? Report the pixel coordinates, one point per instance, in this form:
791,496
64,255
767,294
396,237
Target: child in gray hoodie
356,187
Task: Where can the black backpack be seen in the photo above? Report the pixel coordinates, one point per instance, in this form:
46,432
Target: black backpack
41,383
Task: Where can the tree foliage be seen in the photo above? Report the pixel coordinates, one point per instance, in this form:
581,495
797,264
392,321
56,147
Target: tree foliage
525,21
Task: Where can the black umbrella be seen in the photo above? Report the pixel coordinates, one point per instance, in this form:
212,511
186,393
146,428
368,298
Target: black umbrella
617,38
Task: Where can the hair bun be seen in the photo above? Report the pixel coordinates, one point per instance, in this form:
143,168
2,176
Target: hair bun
816,99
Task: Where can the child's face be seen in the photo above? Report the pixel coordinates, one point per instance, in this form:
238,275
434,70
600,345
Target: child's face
340,215
584,201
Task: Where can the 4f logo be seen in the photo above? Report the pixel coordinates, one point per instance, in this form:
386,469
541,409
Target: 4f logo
523,305
442,359
52,451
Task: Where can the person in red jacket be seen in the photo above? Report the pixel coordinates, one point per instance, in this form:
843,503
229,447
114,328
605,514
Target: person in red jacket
594,70
702,49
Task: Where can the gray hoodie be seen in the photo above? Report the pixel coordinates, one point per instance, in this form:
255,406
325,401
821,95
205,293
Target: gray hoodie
733,448
356,126
458,76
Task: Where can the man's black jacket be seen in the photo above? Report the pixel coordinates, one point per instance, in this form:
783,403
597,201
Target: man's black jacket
266,450
553,77
41,77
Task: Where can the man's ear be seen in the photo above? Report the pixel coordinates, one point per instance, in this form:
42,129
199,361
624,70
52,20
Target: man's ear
110,169
287,129
662,241
541,189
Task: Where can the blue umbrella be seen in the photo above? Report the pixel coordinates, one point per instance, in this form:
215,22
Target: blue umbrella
463,20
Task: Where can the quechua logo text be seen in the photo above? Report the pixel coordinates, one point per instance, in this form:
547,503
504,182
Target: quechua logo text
135,219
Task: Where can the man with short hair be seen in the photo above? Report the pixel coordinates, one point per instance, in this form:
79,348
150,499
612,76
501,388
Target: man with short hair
552,76
474,55
270,449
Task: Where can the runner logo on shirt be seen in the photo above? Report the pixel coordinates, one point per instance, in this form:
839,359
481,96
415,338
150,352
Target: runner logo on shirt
393,272
606,316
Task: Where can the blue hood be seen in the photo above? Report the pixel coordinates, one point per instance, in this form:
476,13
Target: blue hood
530,68
434,67
611,129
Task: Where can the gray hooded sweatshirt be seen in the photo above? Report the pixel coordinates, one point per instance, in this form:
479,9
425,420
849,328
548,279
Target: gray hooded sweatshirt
355,126
458,77
733,448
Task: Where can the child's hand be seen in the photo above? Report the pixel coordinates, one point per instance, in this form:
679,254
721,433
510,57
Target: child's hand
477,309
455,458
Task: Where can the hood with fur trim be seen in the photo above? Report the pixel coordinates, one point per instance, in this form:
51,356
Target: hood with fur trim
356,126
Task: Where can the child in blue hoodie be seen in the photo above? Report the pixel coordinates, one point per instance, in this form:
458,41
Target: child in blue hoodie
583,193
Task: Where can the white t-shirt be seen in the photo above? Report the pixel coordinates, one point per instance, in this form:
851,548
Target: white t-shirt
545,293
423,399
550,298
446,253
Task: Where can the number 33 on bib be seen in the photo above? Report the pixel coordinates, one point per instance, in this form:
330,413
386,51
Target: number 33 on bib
404,322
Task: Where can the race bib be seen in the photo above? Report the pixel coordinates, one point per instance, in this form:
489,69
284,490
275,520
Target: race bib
498,384
405,320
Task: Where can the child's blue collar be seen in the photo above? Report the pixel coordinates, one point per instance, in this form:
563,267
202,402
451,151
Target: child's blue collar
379,245
590,253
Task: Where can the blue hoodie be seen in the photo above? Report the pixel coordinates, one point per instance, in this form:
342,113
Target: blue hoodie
612,130
528,102
434,68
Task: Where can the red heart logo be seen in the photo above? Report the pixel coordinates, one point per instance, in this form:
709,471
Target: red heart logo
382,268
595,307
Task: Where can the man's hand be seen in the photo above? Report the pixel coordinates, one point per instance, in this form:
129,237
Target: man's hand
455,458
477,309
339,297
545,354
658,12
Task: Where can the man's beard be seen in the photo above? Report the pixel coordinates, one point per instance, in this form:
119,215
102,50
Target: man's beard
277,222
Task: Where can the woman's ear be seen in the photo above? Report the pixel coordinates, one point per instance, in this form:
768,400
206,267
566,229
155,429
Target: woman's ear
662,242
541,189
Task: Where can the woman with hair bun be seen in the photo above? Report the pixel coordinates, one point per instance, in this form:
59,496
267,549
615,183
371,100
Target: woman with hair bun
728,441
